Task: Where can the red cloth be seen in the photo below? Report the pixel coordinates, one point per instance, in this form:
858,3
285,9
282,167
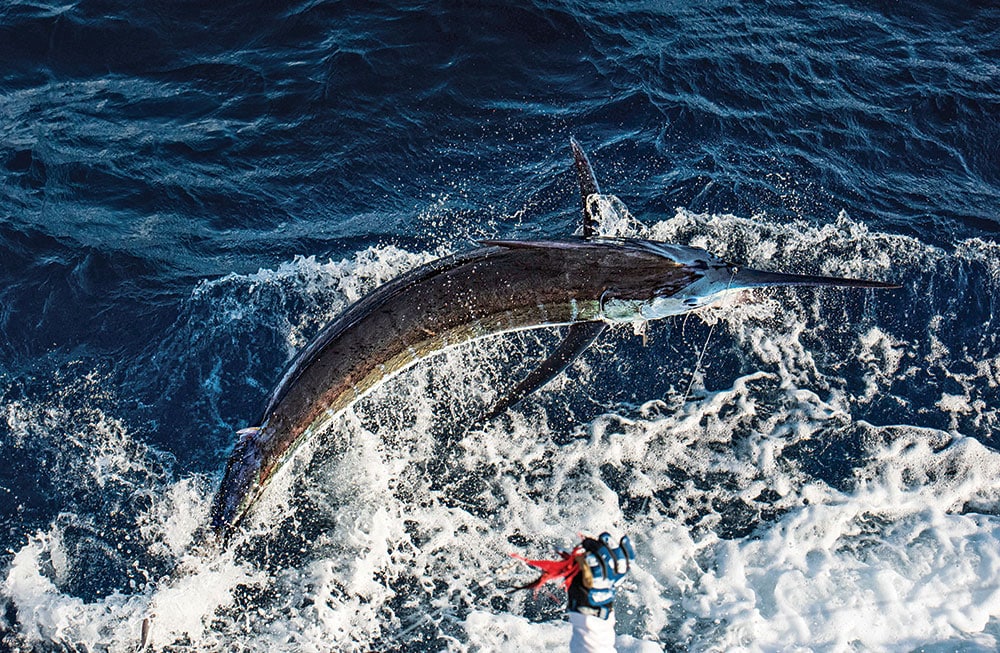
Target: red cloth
567,567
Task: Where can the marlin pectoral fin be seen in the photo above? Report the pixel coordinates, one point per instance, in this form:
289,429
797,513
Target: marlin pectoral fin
578,338
588,186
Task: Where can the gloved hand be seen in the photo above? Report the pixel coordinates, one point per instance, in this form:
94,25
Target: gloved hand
592,591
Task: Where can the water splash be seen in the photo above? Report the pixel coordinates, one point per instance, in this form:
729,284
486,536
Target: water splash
773,507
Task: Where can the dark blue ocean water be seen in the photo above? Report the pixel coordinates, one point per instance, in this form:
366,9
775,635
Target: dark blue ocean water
165,167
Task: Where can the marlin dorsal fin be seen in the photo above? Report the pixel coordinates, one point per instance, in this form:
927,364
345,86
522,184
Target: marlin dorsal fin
588,186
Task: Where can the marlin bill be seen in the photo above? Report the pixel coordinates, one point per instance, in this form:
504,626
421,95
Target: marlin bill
585,282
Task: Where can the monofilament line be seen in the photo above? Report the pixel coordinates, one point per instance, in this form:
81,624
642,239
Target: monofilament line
704,348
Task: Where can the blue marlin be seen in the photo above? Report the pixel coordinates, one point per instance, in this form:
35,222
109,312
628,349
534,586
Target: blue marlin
501,286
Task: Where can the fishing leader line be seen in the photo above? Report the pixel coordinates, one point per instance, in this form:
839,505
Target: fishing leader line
704,348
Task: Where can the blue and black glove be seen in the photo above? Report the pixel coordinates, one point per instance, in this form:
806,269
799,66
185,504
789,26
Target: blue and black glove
592,591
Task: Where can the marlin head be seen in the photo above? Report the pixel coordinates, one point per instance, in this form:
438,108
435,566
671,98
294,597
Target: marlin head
697,279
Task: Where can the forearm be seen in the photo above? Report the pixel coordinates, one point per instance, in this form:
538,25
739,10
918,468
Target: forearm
592,634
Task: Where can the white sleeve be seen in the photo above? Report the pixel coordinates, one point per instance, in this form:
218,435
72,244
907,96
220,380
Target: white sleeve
592,634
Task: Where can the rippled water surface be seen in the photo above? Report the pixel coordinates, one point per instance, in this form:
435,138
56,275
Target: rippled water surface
189,191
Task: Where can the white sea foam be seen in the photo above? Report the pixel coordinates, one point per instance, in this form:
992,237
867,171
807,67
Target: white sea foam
754,530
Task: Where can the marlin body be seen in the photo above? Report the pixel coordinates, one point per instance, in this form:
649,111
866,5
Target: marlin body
500,287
